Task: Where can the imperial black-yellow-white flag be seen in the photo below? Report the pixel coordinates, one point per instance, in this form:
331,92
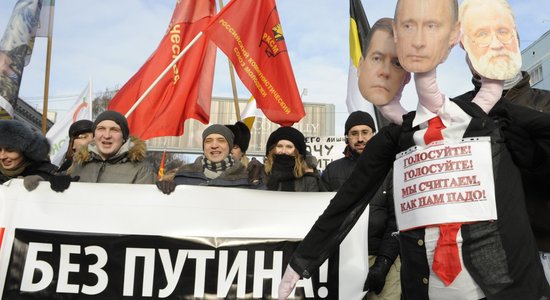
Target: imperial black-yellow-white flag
359,27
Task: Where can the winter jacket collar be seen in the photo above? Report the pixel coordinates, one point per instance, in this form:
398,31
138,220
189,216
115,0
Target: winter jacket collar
133,150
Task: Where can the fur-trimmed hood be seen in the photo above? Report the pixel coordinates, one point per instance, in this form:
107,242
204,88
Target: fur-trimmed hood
134,150
19,136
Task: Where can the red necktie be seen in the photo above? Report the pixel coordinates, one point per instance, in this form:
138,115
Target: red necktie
435,125
446,263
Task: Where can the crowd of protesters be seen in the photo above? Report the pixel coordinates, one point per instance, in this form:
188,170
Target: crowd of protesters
492,267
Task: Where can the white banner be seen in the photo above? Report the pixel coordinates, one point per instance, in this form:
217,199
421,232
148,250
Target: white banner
123,212
444,183
326,149
58,134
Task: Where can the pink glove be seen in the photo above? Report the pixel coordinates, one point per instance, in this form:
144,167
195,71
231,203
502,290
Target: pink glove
394,111
489,93
288,282
428,91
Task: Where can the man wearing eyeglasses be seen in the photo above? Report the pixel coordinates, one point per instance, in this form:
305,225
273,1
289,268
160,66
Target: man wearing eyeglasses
521,124
359,129
490,38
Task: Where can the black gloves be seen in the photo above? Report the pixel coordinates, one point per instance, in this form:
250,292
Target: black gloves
166,186
377,275
59,183
255,171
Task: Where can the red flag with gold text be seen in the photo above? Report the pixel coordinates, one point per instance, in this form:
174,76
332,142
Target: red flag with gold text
249,32
186,90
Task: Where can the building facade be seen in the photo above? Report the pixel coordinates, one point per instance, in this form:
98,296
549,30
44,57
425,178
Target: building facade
318,121
26,113
536,61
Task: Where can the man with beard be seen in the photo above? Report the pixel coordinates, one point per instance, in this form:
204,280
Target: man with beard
522,128
490,38
384,263
359,129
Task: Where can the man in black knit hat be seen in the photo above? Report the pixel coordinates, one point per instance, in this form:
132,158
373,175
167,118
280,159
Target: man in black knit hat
80,135
216,167
384,263
359,129
113,156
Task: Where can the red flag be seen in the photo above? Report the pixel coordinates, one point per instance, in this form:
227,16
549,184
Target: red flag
186,90
250,34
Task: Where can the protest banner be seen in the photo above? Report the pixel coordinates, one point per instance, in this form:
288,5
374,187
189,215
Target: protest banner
111,241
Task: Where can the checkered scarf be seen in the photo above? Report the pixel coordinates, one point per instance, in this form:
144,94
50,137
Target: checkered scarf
214,169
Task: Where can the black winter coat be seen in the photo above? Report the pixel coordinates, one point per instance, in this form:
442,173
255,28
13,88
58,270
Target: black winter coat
491,254
526,138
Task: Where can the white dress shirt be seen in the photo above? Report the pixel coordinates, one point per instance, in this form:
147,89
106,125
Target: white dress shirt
456,121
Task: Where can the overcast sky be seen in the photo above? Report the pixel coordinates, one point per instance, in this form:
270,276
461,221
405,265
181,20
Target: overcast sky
108,41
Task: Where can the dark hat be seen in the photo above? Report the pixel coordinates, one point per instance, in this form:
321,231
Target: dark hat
242,135
287,133
79,127
19,136
116,117
359,118
221,130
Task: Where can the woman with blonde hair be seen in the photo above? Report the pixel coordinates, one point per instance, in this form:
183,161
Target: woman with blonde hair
284,165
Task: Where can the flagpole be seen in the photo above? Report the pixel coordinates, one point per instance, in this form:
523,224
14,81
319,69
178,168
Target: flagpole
233,84
47,79
168,68
90,100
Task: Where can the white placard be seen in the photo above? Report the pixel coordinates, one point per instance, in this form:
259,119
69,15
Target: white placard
326,149
444,183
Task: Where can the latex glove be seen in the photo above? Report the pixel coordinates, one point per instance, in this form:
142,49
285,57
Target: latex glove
60,183
31,182
489,93
288,282
377,275
255,171
166,186
428,91
394,111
